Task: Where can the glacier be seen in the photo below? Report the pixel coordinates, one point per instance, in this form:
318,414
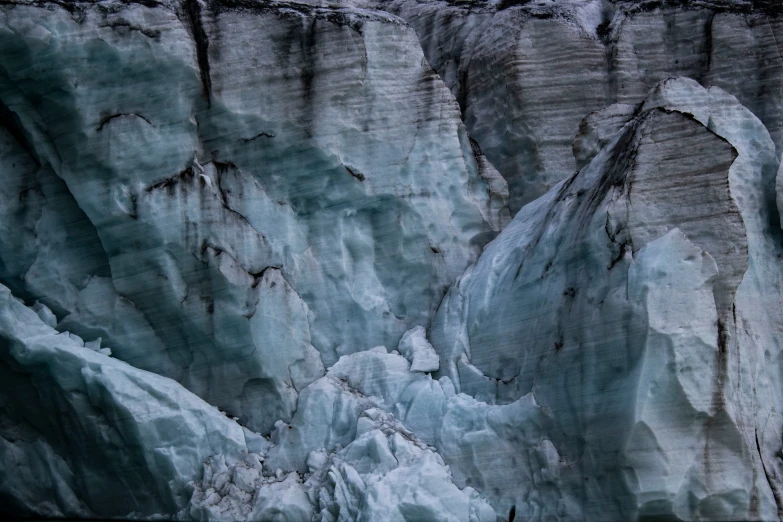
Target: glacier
404,260
537,67
658,345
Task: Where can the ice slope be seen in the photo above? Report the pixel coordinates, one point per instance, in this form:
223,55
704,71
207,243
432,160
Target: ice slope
83,434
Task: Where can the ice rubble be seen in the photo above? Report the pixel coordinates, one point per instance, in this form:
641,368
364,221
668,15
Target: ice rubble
125,442
384,473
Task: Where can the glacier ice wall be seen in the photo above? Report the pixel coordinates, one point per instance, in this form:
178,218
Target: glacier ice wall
630,302
297,191
525,73
253,267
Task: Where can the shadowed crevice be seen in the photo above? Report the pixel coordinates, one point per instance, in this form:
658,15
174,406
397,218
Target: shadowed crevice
192,9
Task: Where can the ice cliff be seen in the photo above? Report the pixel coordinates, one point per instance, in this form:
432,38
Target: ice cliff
258,261
526,72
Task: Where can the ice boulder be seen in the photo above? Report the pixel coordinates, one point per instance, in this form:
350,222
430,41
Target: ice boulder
418,350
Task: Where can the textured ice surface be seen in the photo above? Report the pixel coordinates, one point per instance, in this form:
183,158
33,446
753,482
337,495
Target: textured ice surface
418,350
384,473
275,209
526,73
82,433
240,209
629,301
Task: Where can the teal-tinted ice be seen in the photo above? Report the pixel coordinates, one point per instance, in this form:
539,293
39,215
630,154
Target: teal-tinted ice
252,266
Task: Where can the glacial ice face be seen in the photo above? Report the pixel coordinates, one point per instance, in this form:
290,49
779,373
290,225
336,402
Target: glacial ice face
157,437
526,73
250,193
259,206
631,301
385,473
418,350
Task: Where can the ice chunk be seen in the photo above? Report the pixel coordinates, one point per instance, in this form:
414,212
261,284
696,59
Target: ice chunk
94,345
86,410
418,350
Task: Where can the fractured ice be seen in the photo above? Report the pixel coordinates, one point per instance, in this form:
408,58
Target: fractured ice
253,267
